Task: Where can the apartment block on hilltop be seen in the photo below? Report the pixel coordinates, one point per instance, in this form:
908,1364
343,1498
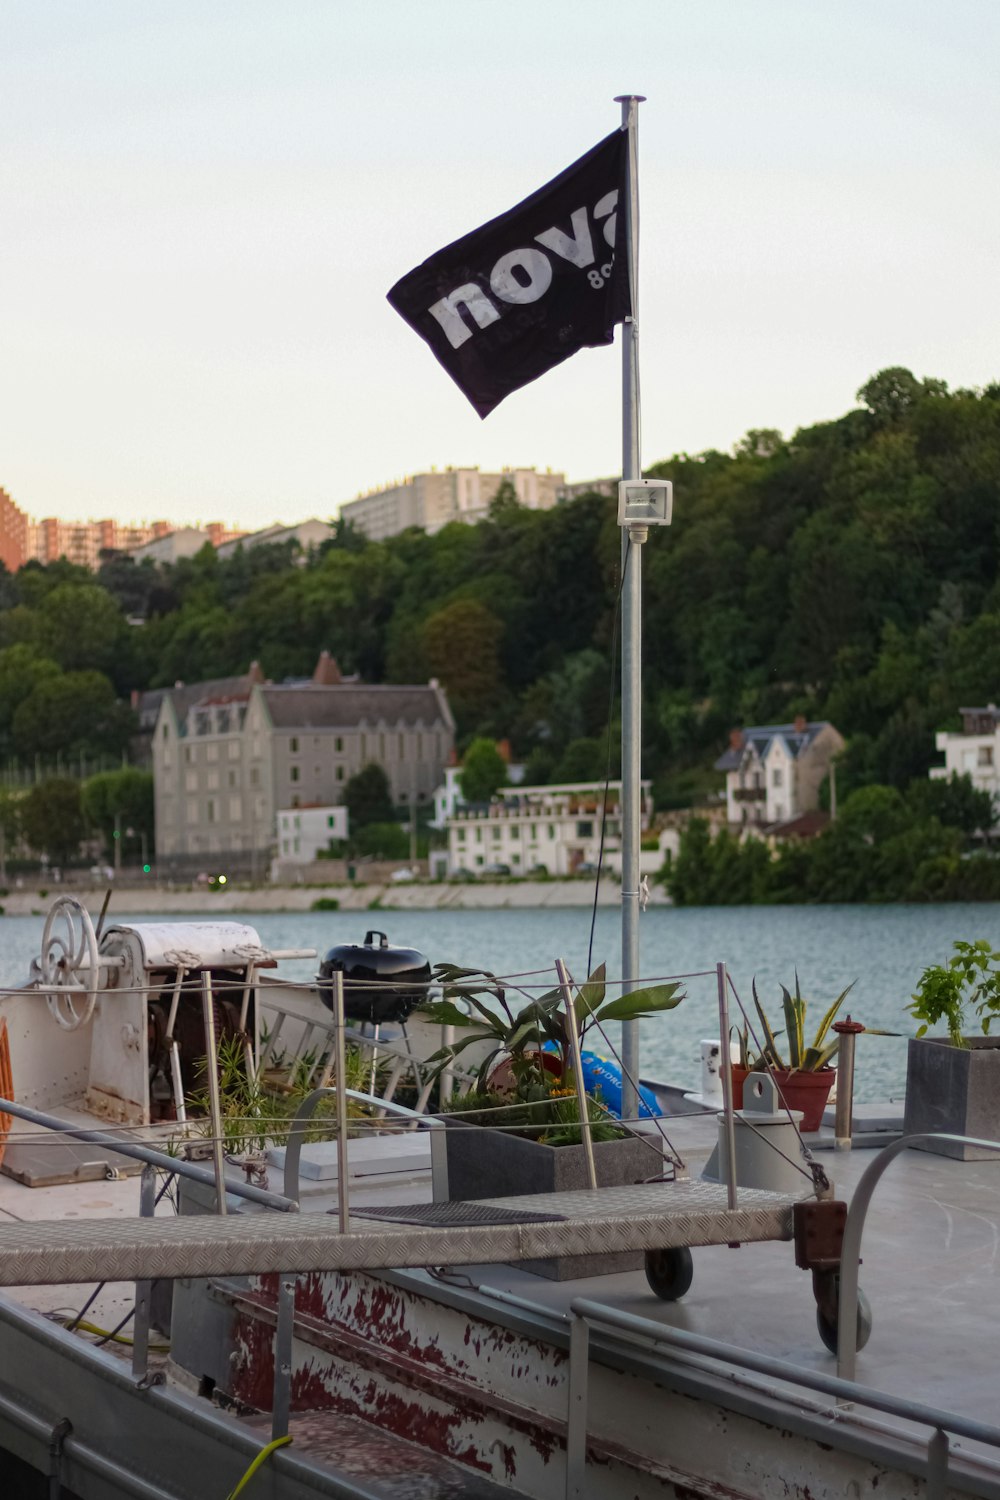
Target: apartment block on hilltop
228,755
430,501
774,771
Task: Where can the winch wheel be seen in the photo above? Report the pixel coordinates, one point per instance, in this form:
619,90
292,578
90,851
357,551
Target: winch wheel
68,967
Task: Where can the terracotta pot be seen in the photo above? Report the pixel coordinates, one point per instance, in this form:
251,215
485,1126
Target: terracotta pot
805,1091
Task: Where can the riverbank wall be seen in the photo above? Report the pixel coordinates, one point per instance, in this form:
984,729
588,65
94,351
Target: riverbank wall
528,895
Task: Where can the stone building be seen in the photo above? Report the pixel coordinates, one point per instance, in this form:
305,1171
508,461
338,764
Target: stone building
228,755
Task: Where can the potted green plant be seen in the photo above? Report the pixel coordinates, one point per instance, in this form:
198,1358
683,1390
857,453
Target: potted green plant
802,1071
525,1089
953,1081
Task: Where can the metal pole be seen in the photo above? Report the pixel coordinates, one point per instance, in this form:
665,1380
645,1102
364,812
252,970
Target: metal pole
848,1031
576,1416
726,1079
631,626
281,1400
143,1289
214,1102
581,1092
341,1065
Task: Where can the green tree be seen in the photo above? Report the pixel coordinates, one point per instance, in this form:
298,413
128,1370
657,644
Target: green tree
71,714
52,819
462,646
117,801
483,770
367,798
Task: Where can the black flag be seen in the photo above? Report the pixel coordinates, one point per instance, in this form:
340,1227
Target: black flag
505,303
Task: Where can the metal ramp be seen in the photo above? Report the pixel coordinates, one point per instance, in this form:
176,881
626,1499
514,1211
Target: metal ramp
649,1216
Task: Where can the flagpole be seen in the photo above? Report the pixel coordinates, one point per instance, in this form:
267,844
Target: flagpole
632,537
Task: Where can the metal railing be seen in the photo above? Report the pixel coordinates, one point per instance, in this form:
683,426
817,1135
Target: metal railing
850,1255
587,1314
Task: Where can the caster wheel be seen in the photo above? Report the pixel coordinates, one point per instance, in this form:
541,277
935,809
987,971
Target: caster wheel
669,1272
828,1326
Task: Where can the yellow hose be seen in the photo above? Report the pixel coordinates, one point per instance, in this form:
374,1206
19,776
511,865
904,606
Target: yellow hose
264,1454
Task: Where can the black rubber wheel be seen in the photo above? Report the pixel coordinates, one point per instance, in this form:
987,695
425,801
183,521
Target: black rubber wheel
828,1330
669,1272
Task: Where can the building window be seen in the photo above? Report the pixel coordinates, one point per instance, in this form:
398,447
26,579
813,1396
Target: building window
552,830
235,810
234,750
212,781
211,752
188,755
210,810
986,755
777,776
585,829
338,744
329,820
166,732
233,779
190,781
460,835
402,747
340,773
293,745
381,747
293,774
254,776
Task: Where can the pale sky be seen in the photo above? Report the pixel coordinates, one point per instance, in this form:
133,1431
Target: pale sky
204,202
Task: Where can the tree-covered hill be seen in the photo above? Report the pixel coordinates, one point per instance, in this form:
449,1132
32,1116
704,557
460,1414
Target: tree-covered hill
848,572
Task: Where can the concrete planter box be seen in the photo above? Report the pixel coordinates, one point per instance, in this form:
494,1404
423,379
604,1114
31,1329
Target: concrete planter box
475,1163
954,1090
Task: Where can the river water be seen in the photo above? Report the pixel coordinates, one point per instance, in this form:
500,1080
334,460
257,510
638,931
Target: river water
882,948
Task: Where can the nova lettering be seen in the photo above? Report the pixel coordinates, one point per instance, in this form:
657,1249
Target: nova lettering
525,275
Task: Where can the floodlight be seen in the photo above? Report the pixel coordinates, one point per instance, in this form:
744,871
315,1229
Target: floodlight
645,502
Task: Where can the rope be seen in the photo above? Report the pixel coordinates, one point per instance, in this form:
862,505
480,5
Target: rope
262,1456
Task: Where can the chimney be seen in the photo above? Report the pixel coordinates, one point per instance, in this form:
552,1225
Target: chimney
736,739
327,673
800,724
255,673
503,750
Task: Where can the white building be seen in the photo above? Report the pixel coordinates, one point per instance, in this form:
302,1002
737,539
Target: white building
431,500
306,832
774,771
305,535
974,751
557,828
448,796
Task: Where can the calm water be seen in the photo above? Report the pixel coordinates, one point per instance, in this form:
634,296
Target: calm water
883,948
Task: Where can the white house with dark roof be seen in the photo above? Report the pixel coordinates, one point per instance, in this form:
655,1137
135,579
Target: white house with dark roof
225,763
774,771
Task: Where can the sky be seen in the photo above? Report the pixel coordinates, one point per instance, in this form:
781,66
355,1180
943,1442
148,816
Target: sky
204,202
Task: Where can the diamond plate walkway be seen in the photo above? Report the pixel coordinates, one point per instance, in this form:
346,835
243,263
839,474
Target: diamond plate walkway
646,1217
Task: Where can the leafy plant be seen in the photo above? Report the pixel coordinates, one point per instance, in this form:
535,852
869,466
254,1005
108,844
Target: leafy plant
803,1057
524,1034
970,980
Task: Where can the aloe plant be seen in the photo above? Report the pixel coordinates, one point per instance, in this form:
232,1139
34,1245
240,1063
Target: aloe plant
803,1057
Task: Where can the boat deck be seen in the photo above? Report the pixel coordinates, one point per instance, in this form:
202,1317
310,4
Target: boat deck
930,1258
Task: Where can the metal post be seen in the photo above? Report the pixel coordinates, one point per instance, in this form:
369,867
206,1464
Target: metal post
576,1416
726,1077
581,1092
341,1066
143,1289
937,1465
631,626
281,1400
847,1030
214,1102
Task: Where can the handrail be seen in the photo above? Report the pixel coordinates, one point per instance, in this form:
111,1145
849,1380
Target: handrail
297,1131
587,1312
850,1254
146,1154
